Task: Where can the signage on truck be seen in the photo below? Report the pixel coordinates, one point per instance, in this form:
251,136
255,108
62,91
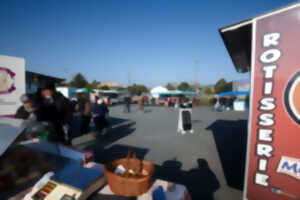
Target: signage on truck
273,160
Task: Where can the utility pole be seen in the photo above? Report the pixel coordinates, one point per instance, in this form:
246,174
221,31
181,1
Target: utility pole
196,82
129,78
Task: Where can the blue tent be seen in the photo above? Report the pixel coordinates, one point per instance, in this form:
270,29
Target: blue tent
233,93
176,93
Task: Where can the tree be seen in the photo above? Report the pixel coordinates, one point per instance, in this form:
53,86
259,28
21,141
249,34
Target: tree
137,89
78,81
120,88
104,87
169,86
208,91
183,86
93,85
221,86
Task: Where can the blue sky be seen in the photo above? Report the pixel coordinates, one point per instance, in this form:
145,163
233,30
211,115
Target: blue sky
149,42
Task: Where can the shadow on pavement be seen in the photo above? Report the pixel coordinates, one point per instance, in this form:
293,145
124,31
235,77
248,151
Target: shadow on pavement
196,121
118,151
115,121
113,135
201,182
231,141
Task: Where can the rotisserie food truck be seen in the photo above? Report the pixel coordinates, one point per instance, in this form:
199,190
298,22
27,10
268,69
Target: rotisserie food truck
268,46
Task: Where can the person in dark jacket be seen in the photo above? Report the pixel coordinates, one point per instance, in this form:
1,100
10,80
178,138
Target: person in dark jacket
28,111
85,111
58,110
127,101
99,112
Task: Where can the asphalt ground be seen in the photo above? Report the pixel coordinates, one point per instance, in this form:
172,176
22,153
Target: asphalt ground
210,162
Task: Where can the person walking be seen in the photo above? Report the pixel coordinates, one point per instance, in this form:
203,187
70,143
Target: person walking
85,111
141,105
194,102
173,100
99,113
127,101
153,101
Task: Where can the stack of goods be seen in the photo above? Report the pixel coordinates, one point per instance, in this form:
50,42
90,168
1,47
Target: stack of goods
73,182
20,165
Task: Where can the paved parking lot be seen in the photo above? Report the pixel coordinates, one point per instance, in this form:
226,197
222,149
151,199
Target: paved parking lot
209,162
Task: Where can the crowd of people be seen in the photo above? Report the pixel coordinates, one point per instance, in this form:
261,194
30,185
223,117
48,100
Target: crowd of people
52,108
223,103
181,102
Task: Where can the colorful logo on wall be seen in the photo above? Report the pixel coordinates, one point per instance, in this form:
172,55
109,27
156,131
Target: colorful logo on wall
292,98
289,166
7,85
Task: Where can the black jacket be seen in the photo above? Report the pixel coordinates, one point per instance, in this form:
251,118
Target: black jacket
60,112
99,109
23,114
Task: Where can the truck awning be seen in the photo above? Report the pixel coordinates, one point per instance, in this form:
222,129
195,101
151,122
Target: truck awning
175,93
237,39
233,93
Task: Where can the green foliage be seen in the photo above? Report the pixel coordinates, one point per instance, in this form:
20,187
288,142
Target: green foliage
105,87
78,81
208,91
221,86
89,86
169,86
120,88
136,89
205,101
93,85
184,86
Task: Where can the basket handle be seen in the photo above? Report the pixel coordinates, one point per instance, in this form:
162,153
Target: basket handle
132,154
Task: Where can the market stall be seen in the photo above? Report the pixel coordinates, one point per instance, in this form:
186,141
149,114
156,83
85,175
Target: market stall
236,100
36,170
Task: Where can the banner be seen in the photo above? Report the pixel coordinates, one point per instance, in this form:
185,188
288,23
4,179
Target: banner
12,84
273,160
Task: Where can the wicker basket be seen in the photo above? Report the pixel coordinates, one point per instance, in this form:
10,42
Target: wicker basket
133,182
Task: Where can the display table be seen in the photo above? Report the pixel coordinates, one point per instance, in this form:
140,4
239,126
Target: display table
239,106
178,192
172,191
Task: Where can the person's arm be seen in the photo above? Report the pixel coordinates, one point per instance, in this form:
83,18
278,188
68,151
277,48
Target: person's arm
106,109
87,109
66,111
20,114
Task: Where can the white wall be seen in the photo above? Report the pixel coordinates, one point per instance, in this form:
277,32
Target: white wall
11,86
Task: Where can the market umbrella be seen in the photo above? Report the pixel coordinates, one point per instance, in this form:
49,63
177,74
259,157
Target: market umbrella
85,90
